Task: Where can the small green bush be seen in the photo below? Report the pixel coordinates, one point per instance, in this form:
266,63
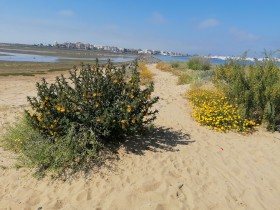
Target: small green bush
74,117
184,78
175,64
199,63
77,150
164,66
256,87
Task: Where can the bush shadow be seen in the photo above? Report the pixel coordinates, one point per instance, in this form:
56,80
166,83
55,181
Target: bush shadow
157,139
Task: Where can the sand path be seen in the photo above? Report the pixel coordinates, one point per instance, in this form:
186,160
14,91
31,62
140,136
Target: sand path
179,166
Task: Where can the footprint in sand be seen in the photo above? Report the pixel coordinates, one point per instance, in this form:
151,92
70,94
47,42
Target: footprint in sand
151,186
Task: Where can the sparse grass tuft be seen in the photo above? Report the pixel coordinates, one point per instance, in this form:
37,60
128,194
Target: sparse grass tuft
58,69
17,74
165,66
145,74
199,63
186,75
184,78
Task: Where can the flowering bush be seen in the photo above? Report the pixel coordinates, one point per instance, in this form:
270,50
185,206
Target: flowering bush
256,88
72,119
101,98
213,109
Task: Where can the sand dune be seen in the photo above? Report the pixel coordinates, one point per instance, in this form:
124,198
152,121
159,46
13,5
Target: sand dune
180,165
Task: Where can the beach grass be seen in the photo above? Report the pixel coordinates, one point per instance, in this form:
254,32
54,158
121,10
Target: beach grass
185,74
17,74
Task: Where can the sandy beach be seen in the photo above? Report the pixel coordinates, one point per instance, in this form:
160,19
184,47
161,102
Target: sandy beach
181,165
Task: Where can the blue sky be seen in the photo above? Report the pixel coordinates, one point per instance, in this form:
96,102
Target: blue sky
203,27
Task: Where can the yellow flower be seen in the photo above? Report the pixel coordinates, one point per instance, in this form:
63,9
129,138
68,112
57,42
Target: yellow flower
57,107
39,117
94,94
98,119
123,127
133,121
123,121
46,98
128,109
115,81
131,96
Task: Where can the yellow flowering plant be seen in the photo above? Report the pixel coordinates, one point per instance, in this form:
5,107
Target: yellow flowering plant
71,120
106,99
145,74
211,108
256,87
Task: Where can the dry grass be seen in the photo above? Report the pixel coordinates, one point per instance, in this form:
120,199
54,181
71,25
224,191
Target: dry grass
165,66
145,74
186,75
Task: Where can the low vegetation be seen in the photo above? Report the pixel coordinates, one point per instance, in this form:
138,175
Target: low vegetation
17,74
199,63
145,74
249,93
72,120
164,66
31,73
185,74
256,87
213,109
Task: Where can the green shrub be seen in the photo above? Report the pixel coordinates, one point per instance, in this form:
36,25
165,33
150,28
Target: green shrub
199,63
101,98
17,135
77,150
184,78
72,118
175,64
256,87
165,66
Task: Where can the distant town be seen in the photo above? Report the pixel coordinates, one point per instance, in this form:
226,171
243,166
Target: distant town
113,49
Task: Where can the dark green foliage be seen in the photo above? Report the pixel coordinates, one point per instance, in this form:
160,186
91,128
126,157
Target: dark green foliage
175,64
255,87
101,98
77,150
199,63
184,78
73,118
